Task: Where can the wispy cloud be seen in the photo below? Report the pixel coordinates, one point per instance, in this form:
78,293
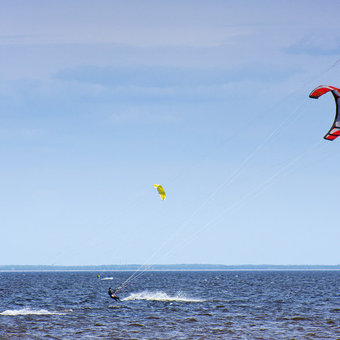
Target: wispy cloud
30,39
163,77
25,133
325,44
139,116
130,23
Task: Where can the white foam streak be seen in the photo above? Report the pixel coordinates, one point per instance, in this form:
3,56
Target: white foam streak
160,296
14,312
107,278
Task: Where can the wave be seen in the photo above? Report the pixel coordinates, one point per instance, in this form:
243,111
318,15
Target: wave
160,296
26,311
106,278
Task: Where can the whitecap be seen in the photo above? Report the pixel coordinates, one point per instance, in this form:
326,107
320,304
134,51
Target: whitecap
26,311
106,278
160,296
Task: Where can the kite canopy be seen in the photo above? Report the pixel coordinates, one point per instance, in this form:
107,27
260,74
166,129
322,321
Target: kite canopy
160,191
334,131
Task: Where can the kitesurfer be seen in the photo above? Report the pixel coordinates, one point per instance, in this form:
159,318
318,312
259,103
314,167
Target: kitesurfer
113,295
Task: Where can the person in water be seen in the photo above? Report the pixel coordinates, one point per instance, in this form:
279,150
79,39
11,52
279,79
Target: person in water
113,295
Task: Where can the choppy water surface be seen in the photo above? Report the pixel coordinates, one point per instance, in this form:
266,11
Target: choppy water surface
171,305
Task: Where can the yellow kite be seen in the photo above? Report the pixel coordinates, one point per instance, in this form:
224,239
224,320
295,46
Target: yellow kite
160,191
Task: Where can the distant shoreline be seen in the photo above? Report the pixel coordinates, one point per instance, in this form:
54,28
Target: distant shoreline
174,267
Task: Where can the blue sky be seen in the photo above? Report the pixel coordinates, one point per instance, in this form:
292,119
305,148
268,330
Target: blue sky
100,100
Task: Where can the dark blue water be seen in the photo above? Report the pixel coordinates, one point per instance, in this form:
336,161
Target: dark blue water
171,305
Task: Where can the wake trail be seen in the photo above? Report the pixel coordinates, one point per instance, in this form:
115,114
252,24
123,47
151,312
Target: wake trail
161,296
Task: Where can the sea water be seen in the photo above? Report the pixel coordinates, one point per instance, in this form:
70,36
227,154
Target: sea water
171,305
